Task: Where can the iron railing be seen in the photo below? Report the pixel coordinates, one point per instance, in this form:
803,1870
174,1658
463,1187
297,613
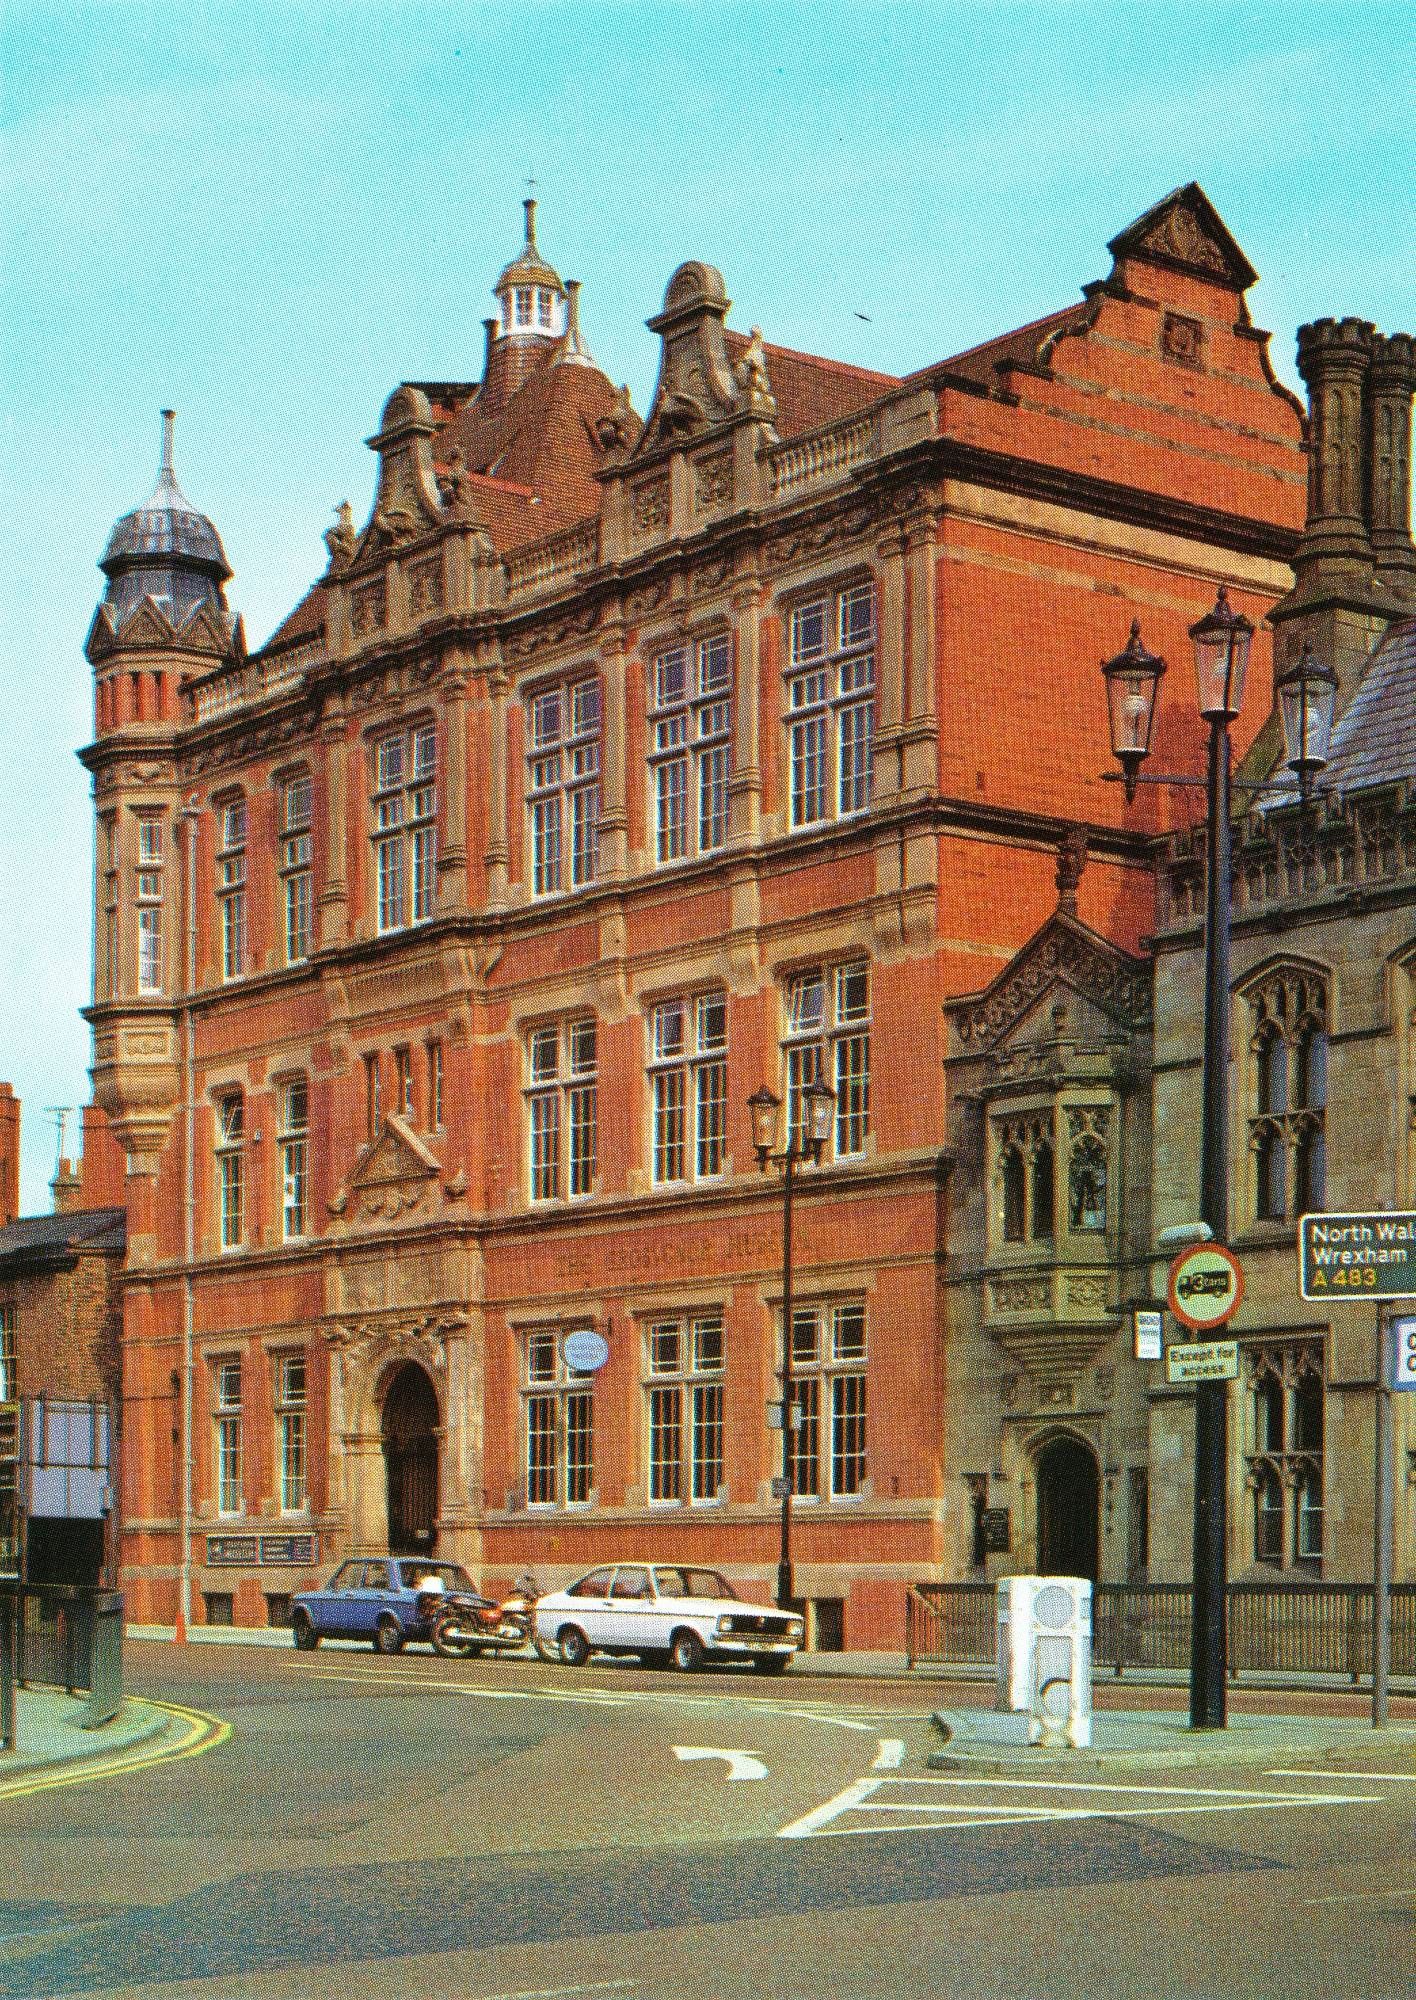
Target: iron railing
60,1636
1274,1628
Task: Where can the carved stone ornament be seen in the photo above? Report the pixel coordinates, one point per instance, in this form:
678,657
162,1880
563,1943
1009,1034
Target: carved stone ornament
618,430
407,502
368,608
1087,1291
752,378
1181,339
649,505
455,484
713,481
394,1177
1063,951
1179,235
696,388
342,539
425,586
1020,1294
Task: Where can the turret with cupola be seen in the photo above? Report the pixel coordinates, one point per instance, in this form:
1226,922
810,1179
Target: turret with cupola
163,621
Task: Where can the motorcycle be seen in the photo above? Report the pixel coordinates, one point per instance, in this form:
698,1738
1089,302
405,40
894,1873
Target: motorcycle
464,1624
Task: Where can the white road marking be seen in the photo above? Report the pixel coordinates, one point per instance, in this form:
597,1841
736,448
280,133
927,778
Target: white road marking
741,1763
890,1755
562,1992
844,1802
1363,1777
1365,1896
1159,1800
592,1696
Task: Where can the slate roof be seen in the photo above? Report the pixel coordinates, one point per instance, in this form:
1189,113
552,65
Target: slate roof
1374,741
51,1241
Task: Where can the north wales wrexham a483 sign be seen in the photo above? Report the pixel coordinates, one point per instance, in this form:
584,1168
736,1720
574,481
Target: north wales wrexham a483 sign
1357,1256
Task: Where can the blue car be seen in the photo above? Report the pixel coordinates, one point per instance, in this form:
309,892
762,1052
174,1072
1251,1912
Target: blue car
385,1599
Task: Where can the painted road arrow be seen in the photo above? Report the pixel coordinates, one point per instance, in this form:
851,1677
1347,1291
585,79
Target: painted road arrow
740,1763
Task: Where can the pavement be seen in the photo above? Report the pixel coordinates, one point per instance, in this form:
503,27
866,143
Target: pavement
50,1729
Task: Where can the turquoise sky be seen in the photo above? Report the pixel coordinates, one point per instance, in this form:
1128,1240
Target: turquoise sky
267,216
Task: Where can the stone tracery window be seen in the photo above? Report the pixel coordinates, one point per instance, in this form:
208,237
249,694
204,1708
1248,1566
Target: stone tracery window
1088,1130
1287,1124
1025,1178
1284,1458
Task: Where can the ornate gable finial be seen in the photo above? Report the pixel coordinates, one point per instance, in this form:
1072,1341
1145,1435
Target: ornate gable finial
696,389
407,502
1185,233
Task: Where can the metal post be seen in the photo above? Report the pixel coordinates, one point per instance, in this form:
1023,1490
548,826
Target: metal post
784,1566
1208,1576
1382,1534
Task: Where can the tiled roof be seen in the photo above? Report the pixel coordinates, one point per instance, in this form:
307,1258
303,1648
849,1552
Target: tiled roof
543,441
810,390
1022,346
1374,742
54,1239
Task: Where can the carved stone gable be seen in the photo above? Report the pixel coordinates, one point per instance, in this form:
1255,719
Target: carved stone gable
396,1175
407,503
696,387
1065,952
1185,232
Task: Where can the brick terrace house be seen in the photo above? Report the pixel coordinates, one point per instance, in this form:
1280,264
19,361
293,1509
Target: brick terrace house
60,1320
611,769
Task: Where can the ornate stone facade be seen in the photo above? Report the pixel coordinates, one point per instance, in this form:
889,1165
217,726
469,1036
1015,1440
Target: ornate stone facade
609,770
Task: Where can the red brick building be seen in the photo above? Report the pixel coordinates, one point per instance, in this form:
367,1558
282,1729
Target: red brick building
612,769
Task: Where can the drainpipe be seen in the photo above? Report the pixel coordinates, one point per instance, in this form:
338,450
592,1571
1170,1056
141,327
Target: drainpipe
189,1217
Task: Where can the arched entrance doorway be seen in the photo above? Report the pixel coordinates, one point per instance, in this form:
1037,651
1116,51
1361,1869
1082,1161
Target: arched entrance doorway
1068,1497
410,1419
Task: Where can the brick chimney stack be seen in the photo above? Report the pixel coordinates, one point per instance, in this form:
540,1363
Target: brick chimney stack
9,1154
66,1188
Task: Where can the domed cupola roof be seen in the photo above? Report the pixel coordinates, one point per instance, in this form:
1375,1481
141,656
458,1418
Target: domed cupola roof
167,527
164,550
529,267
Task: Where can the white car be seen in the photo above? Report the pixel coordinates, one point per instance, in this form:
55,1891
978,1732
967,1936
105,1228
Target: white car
672,1611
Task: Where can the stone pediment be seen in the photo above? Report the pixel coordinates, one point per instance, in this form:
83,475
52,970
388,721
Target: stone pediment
1066,956
395,1175
1185,233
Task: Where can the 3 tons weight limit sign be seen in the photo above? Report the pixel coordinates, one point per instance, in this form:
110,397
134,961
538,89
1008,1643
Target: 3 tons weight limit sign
1360,1256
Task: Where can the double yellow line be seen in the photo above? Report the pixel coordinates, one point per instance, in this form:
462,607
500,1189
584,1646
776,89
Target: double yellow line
199,1732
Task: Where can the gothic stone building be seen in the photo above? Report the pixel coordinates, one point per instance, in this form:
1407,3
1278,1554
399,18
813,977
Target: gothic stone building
611,769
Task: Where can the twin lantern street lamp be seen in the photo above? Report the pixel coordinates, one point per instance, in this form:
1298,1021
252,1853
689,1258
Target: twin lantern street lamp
803,1141
1307,694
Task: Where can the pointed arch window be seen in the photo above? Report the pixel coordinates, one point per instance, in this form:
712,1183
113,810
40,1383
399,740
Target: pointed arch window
1088,1140
1025,1179
1285,1453
1288,1111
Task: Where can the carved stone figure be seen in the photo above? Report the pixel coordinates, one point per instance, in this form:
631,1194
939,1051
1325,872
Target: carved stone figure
341,540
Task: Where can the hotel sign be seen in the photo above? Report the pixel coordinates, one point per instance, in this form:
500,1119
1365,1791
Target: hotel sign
1370,1256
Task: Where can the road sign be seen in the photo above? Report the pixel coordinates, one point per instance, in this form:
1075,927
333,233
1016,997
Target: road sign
1403,1343
1357,1256
585,1350
1202,1361
1146,1325
1205,1287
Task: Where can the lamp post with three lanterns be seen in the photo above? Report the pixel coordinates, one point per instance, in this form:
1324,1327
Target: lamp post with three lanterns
803,1141
1306,696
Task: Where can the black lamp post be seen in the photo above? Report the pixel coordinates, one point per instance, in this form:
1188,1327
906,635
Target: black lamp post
799,1146
1306,699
